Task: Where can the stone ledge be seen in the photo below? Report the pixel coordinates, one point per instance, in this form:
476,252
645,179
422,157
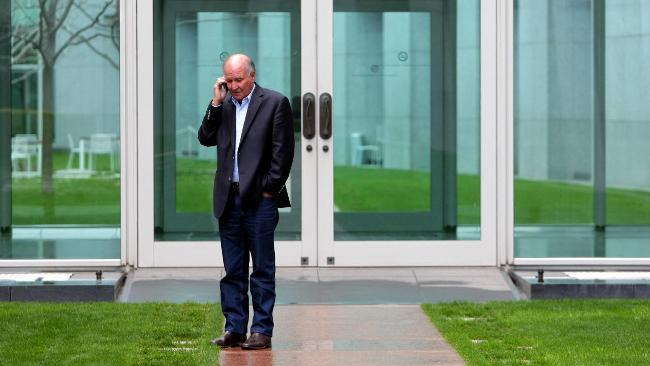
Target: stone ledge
5,291
558,286
62,291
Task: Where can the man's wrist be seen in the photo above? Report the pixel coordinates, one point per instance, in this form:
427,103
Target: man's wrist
215,103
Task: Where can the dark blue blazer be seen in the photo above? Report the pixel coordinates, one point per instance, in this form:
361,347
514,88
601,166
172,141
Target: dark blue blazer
265,150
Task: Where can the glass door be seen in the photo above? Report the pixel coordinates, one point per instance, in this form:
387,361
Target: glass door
191,39
406,132
394,115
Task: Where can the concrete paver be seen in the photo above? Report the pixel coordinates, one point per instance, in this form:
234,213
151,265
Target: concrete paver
349,335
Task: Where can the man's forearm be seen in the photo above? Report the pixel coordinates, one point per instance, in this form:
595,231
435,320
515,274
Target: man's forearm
207,134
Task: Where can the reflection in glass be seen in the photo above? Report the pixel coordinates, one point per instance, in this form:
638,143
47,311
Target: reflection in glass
61,169
406,120
581,129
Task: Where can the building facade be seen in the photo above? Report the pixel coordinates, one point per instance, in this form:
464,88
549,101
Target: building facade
428,132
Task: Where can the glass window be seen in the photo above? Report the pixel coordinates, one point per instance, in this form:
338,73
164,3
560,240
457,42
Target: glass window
60,162
582,179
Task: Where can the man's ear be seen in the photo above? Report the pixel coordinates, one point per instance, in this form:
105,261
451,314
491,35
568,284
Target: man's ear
253,74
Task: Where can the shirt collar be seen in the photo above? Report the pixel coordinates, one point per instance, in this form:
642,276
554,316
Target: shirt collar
246,99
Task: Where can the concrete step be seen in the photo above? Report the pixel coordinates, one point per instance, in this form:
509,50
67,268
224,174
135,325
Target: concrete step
341,286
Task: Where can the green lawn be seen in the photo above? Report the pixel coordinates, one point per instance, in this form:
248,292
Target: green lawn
565,203
194,180
394,190
74,201
564,332
536,202
356,189
78,201
109,334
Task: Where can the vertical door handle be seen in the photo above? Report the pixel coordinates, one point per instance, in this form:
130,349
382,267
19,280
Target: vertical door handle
325,103
309,115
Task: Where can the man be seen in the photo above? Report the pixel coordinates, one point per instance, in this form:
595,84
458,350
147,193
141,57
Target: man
252,128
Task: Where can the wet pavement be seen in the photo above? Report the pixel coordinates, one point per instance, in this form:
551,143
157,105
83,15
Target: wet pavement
349,335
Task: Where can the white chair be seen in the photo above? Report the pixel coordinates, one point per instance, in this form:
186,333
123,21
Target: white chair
101,143
359,150
23,148
73,150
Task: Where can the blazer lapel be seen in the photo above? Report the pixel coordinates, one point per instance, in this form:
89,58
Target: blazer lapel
256,101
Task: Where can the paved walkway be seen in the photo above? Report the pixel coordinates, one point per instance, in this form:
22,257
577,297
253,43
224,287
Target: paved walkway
350,335
340,316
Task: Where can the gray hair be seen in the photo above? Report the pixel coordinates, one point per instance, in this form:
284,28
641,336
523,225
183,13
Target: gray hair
250,65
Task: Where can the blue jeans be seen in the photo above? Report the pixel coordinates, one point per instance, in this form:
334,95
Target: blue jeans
243,231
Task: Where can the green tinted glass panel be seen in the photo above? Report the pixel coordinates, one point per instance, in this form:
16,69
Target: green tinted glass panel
406,120
582,183
60,161
197,36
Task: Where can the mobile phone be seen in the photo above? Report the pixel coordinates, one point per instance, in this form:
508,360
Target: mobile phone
224,86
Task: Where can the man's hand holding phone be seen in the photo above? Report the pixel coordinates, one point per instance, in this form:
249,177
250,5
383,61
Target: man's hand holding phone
220,89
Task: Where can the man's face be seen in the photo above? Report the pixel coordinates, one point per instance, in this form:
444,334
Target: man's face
240,83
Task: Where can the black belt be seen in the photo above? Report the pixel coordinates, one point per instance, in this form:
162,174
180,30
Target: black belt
234,186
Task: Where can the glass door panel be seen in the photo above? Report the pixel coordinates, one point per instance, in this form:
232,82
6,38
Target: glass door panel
406,120
408,176
197,36
191,39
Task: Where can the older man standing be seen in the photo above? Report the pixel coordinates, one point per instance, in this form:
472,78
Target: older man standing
252,128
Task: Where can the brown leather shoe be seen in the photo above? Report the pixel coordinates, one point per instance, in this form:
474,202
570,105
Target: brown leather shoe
257,341
229,339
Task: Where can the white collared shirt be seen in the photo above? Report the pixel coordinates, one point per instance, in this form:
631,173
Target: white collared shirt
240,116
